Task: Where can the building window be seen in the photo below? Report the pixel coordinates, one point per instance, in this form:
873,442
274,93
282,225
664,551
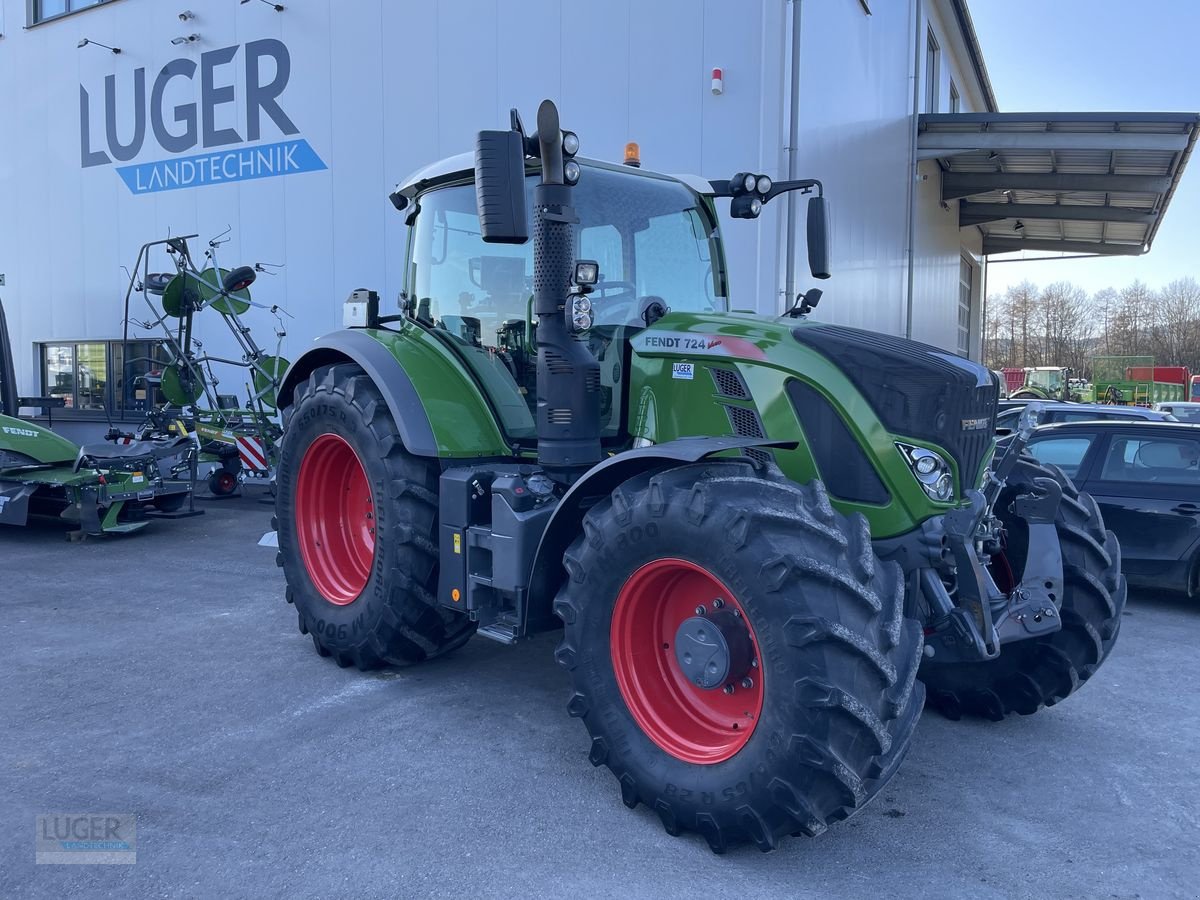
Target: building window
933,64
102,378
41,10
955,102
966,288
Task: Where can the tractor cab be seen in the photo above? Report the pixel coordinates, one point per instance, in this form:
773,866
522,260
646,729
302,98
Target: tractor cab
654,238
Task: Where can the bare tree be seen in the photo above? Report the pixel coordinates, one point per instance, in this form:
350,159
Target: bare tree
1177,325
1064,311
1104,307
1022,306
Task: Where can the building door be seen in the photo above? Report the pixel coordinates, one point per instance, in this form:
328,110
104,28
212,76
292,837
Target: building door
966,303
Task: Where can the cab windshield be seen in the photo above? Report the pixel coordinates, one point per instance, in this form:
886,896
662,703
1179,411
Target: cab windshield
1050,379
654,238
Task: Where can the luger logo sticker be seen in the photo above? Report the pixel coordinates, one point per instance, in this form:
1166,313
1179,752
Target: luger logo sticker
685,371
192,126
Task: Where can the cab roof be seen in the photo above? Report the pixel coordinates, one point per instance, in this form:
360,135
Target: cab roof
461,167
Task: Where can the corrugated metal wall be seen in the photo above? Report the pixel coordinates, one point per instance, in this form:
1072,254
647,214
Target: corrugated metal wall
381,87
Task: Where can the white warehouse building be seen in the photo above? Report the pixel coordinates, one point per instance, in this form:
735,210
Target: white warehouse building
282,128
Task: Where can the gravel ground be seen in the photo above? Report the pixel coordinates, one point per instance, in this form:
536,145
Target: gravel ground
162,674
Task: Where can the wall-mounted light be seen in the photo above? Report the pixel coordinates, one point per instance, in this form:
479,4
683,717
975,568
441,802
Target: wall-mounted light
185,39
278,7
1019,226
186,14
83,42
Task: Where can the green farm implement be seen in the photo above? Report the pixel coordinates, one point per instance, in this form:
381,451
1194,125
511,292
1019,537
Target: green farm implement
237,442
102,487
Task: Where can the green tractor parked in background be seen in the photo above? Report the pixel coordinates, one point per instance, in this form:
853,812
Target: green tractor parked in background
765,539
1047,383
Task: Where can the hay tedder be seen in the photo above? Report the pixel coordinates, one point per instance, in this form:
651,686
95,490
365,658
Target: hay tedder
238,441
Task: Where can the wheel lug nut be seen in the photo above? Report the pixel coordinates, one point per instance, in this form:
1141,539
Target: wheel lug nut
718,603
747,682
729,688
700,610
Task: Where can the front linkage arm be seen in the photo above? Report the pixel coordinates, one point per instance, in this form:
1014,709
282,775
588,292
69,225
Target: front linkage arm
982,617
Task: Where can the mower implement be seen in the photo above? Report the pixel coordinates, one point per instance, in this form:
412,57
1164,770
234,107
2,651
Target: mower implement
765,539
104,488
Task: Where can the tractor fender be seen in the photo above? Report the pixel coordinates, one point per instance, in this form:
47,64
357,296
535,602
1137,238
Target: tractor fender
597,483
388,375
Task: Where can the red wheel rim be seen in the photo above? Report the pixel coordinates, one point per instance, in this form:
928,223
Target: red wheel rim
226,482
688,722
335,519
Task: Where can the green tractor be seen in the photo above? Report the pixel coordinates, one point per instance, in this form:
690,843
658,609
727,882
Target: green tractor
764,539
1047,383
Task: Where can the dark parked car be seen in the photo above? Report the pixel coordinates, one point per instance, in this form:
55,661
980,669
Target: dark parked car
1006,421
1146,478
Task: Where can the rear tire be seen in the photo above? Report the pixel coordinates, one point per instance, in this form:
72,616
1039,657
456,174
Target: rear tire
1031,674
836,681
370,600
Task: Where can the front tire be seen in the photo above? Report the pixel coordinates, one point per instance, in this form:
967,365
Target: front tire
357,517
809,734
1032,674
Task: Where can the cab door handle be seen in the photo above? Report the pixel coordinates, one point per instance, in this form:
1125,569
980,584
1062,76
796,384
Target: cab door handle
1188,509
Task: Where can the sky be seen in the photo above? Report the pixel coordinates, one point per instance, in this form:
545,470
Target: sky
1100,55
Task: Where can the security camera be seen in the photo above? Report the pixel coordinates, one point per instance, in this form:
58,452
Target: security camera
186,14
185,39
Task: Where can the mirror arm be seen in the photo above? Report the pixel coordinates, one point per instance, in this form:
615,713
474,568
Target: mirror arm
722,188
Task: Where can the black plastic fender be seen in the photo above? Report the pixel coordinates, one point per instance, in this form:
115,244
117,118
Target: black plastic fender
353,345
599,481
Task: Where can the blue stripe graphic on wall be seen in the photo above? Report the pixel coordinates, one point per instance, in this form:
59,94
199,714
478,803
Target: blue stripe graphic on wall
240,164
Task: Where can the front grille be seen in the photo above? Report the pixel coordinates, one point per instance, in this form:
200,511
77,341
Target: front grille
745,422
760,456
917,390
729,383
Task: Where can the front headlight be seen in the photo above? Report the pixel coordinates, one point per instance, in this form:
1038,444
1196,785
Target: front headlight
931,470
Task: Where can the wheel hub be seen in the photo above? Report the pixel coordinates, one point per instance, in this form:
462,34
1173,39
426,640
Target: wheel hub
713,650
677,635
335,519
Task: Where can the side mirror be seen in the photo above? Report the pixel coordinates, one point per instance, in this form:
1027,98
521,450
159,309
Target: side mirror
500,187
818,237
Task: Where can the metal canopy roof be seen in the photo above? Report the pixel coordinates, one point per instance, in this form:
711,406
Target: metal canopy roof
1064,182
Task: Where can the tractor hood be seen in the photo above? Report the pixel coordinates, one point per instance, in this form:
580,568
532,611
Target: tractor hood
20,439
844,387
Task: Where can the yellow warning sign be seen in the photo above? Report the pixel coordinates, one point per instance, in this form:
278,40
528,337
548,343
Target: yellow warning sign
458,544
